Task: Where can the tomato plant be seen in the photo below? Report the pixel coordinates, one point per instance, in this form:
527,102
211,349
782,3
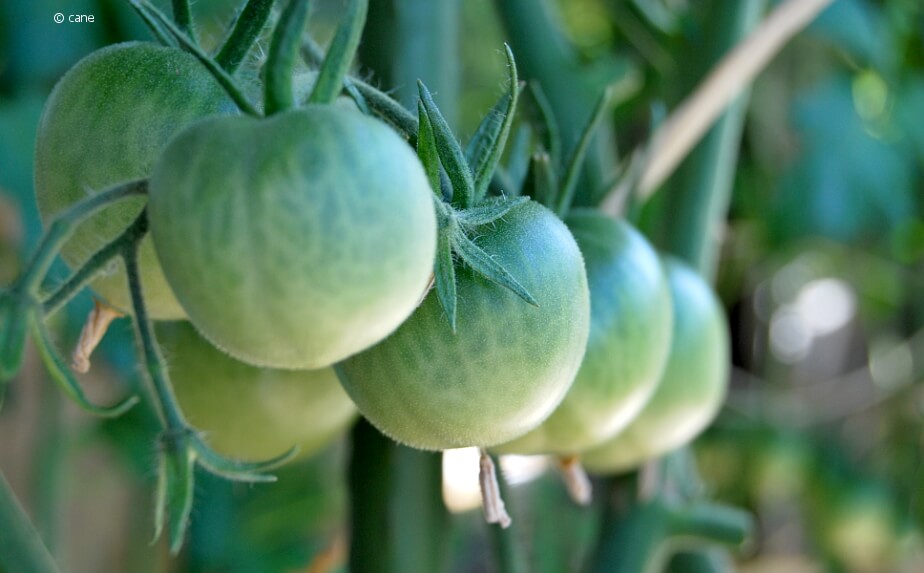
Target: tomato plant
296,240
128,100
692,386
252,413
630,330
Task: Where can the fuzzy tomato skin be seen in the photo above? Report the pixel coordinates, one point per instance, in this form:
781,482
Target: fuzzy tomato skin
296,240
692,387
630,333
509,363
105,123
252,413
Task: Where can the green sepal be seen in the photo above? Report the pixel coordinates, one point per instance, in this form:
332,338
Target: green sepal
576,161
340,54
444,276
68,383
427,152
235,470
489,211
519,158
542,182
358,98
551,131
278,94
482,263
487,145
247,27
450,152
15,316
175,488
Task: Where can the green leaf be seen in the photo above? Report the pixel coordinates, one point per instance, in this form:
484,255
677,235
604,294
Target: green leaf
482,263
62,375
445,276
280,63
247,28
487,146
340,54
576,162
426,151
449,151
489,211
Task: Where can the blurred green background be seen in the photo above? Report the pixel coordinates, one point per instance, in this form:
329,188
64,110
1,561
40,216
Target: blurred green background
821,269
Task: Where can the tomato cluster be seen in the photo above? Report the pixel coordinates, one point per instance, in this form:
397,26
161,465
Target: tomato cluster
311,243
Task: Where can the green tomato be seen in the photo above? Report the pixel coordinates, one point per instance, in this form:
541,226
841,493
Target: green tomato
630,333
692,387
296,240
509,363
106,123
252,413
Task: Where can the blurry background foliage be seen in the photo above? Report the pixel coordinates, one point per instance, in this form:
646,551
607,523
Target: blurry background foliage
822,269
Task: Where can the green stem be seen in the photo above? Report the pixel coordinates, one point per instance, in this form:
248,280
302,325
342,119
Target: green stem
711,522
182,15
370,483
415,39
340,54
246,30
421,540
699,200
281,61
48,469
90,268
165,403
62,227
221,76
21,548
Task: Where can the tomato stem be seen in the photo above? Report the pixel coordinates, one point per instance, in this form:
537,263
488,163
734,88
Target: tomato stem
247,27
182,15
341,53
370,476
220,75
21,548
280,63
62,227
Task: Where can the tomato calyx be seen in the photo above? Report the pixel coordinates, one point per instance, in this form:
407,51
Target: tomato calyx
460,199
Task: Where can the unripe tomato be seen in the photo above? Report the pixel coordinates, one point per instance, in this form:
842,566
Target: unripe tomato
692,387
252,413
296,240
630,333
509,363
105,123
